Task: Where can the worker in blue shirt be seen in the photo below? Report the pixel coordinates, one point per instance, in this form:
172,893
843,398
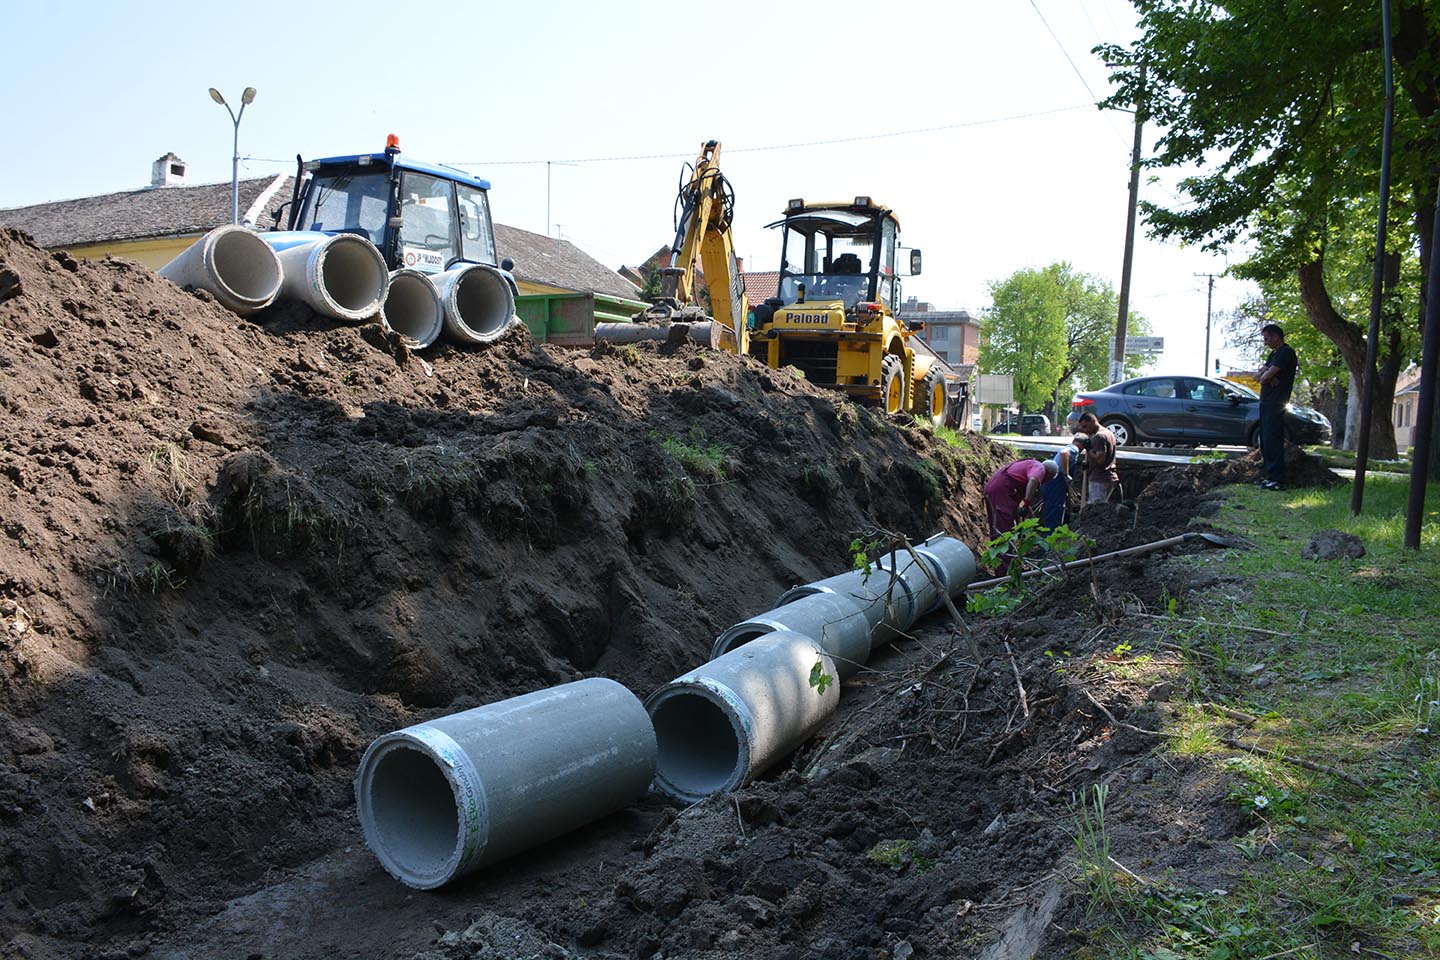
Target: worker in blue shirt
1056,492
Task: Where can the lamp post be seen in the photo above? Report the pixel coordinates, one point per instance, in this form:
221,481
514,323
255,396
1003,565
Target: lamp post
246,98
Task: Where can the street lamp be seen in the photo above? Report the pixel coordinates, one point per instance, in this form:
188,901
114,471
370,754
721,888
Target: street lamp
246,98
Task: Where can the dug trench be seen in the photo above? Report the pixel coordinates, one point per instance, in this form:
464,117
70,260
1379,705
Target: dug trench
236,551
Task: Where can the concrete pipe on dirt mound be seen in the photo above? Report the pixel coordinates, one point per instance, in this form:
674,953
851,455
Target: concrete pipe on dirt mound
886,601
835,622
413,309
232,263
341,276
479,304
728,720
440,799
706,332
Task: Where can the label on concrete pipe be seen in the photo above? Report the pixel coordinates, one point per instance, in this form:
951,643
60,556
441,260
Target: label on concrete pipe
469,794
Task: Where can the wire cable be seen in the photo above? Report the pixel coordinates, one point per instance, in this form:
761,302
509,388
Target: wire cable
782,146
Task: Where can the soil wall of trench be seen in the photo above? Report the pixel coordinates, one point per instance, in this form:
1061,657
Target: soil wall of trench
233,552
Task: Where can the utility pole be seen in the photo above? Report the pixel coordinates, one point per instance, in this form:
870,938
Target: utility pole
1209,300
1117,360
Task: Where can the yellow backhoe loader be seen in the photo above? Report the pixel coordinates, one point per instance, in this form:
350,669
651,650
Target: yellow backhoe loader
834,317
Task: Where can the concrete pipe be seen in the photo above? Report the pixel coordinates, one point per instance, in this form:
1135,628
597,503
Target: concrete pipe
912,570
479,304
954,564
440,799
341,276
413,309
728,720
232,263
887,602
706,332
835,622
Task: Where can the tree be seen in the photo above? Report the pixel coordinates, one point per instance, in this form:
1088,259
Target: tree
1274,111
1050,330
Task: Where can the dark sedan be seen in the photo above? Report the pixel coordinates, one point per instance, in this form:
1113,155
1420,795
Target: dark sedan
1190,411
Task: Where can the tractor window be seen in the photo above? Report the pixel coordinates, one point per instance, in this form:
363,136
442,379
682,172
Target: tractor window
475,232
889,285
427,236
347,202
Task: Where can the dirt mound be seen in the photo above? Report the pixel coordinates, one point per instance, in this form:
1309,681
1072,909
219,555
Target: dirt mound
235,552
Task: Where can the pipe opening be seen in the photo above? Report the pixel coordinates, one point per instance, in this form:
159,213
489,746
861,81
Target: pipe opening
412,309
352,275
483,302
414,812
738,636
698,748
248,271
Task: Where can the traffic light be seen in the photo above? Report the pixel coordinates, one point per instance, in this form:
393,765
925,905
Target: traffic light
1217,365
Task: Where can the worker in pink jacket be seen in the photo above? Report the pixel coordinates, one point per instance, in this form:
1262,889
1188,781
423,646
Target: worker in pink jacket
1012,489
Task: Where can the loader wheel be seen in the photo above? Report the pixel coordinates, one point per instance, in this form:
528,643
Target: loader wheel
936,400
892,383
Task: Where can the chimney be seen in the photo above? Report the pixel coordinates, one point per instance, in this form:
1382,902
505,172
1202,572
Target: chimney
168,171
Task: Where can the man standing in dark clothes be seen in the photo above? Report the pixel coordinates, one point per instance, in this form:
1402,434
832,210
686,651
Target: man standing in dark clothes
1277,379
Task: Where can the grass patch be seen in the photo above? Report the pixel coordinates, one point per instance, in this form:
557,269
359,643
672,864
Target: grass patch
1337,664
705,461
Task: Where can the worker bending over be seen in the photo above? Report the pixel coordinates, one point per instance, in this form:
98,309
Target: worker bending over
1012,489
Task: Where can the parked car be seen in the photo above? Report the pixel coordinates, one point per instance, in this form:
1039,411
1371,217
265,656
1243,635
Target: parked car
1190,411
1028,425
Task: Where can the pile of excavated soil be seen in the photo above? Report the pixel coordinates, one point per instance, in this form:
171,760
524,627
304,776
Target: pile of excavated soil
235,551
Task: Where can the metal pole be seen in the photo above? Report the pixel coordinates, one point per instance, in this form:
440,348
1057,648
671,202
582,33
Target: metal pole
235,169
1117,359
1209,300
1425,415
1372,342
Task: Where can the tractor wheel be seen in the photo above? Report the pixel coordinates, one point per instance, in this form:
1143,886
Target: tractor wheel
892,384
937,402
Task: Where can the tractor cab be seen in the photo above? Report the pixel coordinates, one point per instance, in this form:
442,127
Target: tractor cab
427,217
840,252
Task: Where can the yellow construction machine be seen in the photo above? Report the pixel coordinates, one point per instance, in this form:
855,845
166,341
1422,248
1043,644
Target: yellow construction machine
704,208
834,317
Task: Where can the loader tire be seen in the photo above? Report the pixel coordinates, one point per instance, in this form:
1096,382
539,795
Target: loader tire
936,401
892,384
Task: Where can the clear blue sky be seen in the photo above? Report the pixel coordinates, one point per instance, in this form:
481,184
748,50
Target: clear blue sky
974,120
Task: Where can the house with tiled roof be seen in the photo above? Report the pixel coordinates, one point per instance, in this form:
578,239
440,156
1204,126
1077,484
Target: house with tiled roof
155,224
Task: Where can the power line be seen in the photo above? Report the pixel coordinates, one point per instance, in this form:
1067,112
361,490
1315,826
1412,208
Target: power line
1064,51
778,146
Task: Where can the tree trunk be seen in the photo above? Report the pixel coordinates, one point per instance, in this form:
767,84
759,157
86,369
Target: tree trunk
1352,415
1350,341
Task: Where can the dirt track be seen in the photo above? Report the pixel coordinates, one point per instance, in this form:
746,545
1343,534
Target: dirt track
234,552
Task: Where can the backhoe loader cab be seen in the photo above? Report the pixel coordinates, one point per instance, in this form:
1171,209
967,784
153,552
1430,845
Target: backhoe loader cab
834,314
420,215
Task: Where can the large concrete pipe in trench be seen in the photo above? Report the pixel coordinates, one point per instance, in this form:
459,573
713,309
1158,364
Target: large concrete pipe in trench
479,304
440,799
835,622
728,720
233,264
893,601
954,565
341,276
885,600
413,309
